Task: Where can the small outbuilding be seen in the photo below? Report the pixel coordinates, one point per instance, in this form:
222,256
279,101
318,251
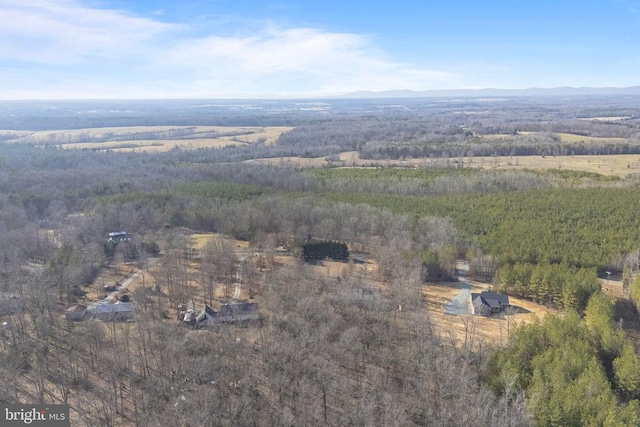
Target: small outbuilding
488,302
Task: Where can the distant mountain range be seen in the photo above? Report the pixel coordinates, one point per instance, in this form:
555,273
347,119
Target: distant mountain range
475,93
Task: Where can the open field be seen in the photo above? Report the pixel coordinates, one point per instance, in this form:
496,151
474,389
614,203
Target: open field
605,119
564,137
150,138
612,165
347,158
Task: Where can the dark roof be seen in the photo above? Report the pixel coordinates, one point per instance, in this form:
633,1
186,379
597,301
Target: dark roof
78,308
492,299
119,307
242,307
488,302
76,312
229,312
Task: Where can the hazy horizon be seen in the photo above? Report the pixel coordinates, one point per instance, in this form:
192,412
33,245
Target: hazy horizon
157,49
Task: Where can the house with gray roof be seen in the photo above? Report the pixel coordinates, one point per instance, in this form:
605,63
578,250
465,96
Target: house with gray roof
120,311
486,303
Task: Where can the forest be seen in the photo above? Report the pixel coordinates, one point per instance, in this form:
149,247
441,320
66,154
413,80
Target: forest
335,256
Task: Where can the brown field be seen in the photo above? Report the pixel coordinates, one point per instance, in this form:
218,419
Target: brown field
297,162
136,138
564,137
605,119
570,137
345,159
614,165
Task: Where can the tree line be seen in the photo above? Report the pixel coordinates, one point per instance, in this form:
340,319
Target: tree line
574,371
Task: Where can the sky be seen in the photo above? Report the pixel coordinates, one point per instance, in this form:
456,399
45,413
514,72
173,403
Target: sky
124,49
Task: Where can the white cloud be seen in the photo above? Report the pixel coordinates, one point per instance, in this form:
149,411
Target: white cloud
90,52
65,31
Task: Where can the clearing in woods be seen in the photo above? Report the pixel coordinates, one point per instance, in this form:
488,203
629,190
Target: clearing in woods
469,330
564,137
611,165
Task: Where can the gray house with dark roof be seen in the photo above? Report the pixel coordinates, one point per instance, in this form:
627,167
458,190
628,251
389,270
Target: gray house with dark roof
488,302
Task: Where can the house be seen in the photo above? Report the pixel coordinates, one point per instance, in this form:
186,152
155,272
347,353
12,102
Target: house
120,311
228,313
76,313
488,302
207,317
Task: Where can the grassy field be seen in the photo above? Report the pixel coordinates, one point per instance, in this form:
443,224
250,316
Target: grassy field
572,137
605,119
564,137
614,165
150,138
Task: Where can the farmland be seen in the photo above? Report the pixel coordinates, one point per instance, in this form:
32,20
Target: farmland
150,138
614,165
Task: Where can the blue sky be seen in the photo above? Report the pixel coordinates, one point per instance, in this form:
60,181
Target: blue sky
68,49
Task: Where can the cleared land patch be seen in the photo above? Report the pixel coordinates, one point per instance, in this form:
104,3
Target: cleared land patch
564,137
465,330
613,165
